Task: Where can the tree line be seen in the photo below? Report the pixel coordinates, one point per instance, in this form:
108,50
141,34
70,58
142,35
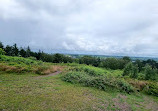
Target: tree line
40,55
131,68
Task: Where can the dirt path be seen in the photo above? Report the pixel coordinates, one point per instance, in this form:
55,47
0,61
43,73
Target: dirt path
52,74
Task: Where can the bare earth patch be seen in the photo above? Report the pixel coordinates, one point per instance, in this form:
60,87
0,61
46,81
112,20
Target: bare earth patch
150,104
120,103
48,75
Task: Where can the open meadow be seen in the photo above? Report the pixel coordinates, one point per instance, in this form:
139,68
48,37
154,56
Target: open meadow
68,87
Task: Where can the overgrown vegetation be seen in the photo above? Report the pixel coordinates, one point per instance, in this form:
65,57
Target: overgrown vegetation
98,81
109,79
22,65
101,73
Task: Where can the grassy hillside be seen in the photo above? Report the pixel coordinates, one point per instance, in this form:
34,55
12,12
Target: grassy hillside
22,65
77,88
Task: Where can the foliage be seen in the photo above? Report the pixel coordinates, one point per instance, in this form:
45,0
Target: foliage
2,52
134,69
131,70
32,58
93,71
128,69
90,60
134,73
21,65
15,50
1,45
99,81
127,59
139,64
150,73
113,63
152,89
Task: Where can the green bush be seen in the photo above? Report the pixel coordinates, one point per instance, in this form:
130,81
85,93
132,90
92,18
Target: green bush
100,82
2,52
32,58
124,86
20,64
92,71
152,89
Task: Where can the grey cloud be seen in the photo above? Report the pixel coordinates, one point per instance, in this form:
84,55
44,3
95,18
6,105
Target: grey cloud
126,27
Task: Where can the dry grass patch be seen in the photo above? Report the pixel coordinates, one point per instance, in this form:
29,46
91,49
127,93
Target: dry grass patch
140,85
54,68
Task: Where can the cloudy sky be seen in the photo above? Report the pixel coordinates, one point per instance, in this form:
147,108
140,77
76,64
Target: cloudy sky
109,27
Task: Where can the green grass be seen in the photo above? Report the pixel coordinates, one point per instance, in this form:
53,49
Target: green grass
23,65
27,92
23,90
94,70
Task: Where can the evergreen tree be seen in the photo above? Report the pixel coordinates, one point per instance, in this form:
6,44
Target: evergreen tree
8,50
22,52
39,55
28,52
1,45
57,58
15,50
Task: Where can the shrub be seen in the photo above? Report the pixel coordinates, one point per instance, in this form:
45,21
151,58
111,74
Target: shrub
20,65
124,86
139,85
2,52
92,71
152,89
41,69
32,58
100,82
141,76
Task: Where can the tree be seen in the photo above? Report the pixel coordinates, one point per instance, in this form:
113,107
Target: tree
139,64
127,59
67,59
128,69
1,45
57,58
22,52
39,55
28,51
150,73
89,60
111,63
134,71
15,50
8,50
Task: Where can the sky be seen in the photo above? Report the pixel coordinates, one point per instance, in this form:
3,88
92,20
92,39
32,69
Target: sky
104,27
